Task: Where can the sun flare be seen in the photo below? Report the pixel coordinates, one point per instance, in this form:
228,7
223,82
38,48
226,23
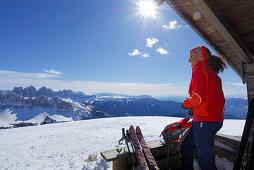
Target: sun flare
147,7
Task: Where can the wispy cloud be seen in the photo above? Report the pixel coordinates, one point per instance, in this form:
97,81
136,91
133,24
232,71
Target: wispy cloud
88,87
52,71
161,51
151,41
172,25
18,75
145,55
238,84
135,52
10,79
235,89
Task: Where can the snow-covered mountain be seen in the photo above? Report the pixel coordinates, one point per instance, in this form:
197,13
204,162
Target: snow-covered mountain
138,106
28,106
28,103
237,107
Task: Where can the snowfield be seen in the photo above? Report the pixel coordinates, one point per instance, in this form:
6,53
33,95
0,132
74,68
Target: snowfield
68,145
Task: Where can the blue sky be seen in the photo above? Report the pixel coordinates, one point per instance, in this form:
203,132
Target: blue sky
97,46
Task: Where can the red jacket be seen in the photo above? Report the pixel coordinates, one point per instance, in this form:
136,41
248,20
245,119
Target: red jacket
206,95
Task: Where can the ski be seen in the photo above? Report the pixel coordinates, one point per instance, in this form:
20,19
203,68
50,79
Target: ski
146,150
138,150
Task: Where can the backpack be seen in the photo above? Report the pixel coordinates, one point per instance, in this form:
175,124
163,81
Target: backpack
174,135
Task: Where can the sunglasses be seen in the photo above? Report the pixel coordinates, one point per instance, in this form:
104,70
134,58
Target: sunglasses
191,56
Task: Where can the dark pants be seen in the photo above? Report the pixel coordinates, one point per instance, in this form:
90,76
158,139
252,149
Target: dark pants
202,137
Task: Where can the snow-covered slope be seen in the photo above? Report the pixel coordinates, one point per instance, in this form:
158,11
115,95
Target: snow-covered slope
68,145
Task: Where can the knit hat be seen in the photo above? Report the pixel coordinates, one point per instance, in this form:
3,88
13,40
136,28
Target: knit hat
199,52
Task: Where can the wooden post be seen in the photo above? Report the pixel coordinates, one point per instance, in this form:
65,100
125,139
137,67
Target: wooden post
120,164
247,143
248,70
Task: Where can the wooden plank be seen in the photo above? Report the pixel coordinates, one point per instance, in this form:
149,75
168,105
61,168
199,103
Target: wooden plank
250,85
115,154
230,141
225,153
225,30
159,2
248,68
237,22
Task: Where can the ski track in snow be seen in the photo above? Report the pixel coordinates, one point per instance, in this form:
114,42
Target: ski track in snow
68,145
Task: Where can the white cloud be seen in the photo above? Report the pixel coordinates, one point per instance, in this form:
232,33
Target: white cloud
52,71
135,52
172,25
151,41
145,55
161,51
7,82
239,84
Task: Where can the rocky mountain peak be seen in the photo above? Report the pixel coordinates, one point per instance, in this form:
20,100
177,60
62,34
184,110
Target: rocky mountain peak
29,91
44,91
18,91
26,92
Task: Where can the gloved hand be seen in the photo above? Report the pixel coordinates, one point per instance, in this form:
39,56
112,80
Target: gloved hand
184,107
190,112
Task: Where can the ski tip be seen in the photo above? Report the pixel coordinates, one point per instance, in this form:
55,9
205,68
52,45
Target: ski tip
138,129
131,127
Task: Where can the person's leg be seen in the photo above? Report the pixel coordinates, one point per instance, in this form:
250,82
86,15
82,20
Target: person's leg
204,133
187,152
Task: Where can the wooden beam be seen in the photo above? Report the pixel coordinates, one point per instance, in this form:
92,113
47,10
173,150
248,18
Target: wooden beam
250,85
248,76
159,2
190,22
248,68
225,31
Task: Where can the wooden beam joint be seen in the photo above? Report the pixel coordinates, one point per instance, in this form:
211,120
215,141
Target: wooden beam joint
224,29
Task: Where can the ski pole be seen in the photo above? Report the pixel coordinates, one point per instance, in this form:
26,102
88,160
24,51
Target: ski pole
126,141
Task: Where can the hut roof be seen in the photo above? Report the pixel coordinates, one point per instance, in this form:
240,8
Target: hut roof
226,25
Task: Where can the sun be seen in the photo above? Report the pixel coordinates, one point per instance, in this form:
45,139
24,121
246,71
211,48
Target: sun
147,8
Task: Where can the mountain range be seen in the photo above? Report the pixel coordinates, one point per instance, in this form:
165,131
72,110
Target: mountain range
28,106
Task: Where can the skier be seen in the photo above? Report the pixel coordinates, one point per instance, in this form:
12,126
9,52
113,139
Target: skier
206,103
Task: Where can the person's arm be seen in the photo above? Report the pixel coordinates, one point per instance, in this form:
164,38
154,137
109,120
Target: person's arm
198,93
